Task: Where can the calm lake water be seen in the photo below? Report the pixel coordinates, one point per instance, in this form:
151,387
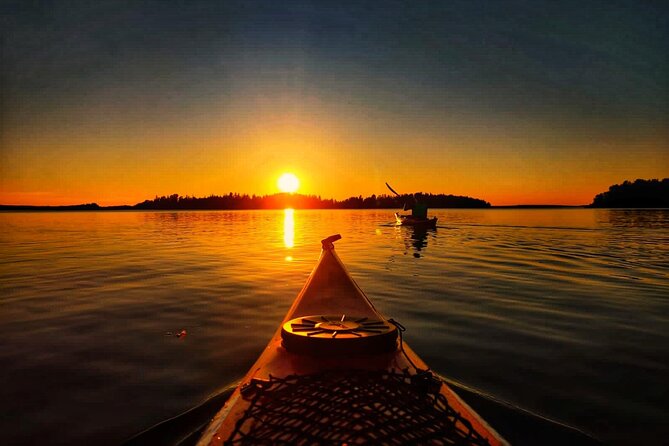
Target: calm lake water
562,312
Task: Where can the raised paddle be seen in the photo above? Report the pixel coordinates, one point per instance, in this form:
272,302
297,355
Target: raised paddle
404,208
392,190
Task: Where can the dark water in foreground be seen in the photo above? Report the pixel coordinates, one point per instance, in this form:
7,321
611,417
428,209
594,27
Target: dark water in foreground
562,312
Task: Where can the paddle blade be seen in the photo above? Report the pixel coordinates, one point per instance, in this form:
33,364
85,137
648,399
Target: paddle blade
392,190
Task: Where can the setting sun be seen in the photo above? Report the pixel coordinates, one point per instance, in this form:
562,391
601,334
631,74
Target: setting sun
288,183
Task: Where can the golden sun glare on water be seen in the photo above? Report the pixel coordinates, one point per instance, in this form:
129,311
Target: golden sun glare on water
288,183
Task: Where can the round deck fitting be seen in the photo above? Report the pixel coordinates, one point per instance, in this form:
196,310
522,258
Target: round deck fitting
328,335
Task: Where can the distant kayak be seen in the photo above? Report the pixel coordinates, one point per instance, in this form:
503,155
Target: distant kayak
338,372
408,220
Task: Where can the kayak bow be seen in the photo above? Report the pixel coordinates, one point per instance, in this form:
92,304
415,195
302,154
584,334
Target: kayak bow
337,372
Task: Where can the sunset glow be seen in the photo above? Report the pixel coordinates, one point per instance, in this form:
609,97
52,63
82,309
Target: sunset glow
288,183
437,101
173,173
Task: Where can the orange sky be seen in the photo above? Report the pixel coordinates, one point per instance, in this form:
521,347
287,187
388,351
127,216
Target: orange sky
334,155
335,151
508,115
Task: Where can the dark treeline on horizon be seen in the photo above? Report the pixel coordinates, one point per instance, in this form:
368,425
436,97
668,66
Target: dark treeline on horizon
298,201
637,194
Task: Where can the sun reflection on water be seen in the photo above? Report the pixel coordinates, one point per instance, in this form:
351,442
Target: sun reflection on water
289,229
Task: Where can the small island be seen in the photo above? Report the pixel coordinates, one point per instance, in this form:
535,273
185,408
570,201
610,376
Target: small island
637,194
298,201
233,201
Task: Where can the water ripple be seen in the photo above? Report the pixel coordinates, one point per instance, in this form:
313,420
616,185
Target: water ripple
561,311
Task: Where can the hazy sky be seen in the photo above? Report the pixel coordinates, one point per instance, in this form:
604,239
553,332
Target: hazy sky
508,101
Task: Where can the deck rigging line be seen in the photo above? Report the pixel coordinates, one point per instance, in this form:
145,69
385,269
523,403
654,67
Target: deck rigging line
350,407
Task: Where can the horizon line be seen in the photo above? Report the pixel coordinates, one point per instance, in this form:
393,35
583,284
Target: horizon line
242,194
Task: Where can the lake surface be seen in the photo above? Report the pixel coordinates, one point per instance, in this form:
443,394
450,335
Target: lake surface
562,312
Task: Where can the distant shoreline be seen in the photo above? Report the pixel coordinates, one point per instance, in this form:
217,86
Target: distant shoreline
86,208
235,201
76,208
4,208
640,194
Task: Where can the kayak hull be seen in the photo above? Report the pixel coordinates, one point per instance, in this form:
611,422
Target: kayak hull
407,220
331,291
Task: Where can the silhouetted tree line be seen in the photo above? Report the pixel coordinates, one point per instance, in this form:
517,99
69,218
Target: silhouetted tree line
297,201
75,207
637,194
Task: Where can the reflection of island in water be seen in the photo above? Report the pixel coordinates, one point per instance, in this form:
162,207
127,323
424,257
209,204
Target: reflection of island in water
416,237
637,218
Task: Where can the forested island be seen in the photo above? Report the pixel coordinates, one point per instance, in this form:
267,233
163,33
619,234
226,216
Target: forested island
233,201
637,194
298,201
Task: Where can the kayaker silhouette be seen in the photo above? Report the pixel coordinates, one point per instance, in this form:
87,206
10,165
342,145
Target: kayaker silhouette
418,208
